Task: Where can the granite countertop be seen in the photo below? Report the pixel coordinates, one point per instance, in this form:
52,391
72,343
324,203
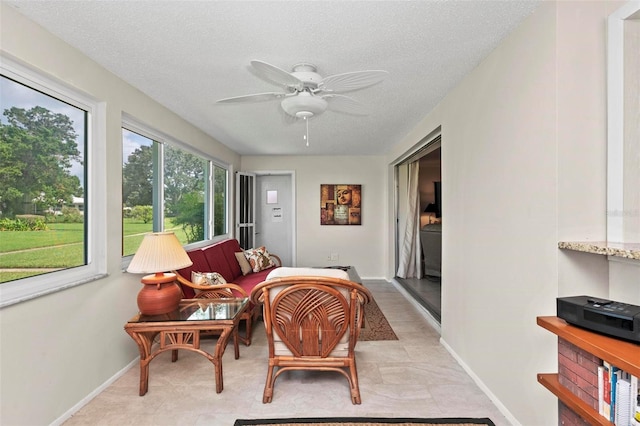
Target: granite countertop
626,250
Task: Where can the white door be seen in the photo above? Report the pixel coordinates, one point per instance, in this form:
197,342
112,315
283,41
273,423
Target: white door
275,215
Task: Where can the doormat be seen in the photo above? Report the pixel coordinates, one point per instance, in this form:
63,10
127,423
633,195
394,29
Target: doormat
376,326
366,421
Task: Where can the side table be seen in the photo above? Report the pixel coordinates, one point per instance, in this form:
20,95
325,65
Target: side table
182,329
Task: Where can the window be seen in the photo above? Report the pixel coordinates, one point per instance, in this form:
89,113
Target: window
166,187
184,194
47,203
138,153
220,223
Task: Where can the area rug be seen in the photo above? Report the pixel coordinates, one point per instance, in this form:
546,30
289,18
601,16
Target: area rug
376,326
363,421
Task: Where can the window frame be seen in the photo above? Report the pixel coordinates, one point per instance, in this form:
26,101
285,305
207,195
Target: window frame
131,123
227,208
28,288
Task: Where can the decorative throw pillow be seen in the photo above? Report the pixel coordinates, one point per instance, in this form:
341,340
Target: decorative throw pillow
243,262
207,278
259,259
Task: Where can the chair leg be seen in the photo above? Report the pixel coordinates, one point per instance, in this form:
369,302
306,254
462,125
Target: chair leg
353,383
267,396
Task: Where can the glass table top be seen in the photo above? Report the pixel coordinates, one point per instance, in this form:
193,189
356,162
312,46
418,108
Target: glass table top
200,310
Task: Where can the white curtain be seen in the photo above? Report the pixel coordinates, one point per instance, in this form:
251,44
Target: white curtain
409,266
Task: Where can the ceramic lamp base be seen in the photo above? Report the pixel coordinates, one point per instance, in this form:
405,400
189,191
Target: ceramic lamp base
159,295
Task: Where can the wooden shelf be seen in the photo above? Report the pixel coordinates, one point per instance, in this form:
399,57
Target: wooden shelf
622,354
550,381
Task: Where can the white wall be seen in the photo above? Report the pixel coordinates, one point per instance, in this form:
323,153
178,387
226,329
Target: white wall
499,264
524,133
57,349
362,246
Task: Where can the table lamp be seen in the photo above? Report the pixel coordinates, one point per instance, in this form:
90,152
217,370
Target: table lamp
159,252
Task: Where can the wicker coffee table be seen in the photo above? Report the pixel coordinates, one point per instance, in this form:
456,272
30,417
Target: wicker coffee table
182,329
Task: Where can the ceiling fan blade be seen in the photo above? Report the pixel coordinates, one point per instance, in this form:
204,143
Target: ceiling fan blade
258,97
342,103
277,75
351,81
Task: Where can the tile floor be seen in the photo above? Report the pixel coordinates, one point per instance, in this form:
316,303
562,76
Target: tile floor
411,377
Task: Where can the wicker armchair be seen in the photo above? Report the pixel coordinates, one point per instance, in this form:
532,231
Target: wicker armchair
312,323
221,291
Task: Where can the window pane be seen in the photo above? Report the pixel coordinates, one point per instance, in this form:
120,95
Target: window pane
137,189
42,183
219,201
184,186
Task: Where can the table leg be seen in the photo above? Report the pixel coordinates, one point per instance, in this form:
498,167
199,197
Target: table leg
221,344
144,342
144,376
236,347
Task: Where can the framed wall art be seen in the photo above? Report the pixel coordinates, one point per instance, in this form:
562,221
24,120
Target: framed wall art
340,204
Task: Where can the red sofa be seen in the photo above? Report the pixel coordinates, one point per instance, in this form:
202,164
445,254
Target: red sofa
220,257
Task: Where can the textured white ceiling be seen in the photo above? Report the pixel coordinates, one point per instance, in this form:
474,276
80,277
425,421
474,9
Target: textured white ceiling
188,54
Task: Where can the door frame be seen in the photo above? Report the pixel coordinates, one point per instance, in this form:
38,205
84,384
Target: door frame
245,220
294,218
430,142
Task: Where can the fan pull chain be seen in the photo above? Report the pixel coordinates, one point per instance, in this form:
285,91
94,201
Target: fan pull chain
306,137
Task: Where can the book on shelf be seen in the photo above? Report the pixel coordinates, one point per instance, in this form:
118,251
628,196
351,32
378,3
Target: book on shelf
635,401
601,390
606,390
609,398
613,378
622,415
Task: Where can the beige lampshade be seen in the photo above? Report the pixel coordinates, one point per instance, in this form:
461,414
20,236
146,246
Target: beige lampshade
159,252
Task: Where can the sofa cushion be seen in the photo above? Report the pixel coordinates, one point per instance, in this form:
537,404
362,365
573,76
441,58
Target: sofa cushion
259,259
218,261
230,247
207,278
249,281
245,267
200,264
313,272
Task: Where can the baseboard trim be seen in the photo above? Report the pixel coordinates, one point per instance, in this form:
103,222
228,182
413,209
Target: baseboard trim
84,401
512,420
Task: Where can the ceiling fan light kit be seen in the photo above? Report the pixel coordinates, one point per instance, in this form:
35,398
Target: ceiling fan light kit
304,105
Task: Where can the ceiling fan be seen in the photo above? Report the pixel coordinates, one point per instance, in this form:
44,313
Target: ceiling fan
307,94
